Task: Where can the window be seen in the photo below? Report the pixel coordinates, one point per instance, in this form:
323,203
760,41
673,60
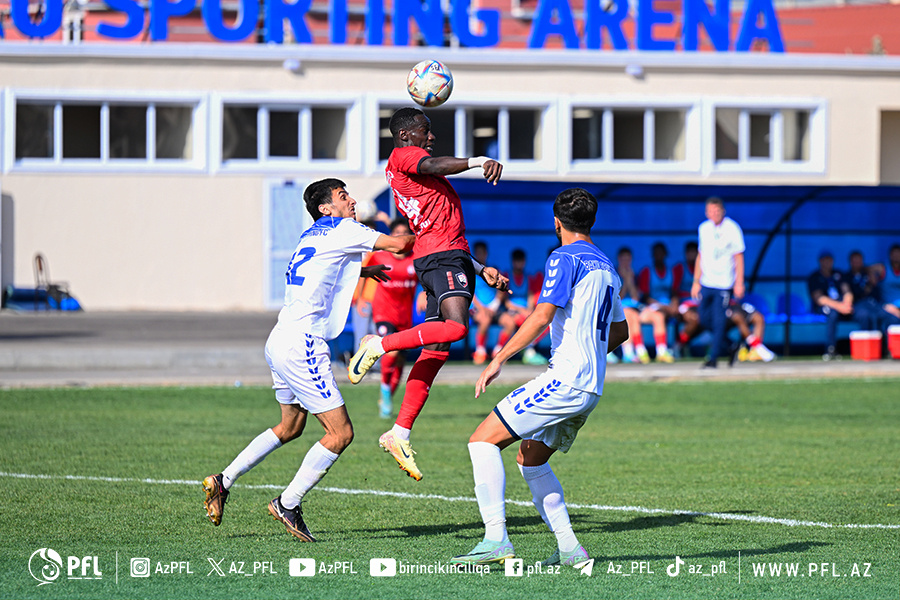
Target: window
628,134
102,132
587,133
329,133
669,135
239,132
762,135
443,126
127,131
507,134
34,131
260,133
284,133
524,134
796,134
619,134
81,131
483,132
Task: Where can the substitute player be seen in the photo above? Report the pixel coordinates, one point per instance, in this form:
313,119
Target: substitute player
321,277
445,268
392,308
580,301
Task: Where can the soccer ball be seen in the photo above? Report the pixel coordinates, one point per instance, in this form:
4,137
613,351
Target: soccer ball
429,83
366,210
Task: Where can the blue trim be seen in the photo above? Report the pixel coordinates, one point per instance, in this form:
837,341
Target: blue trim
505,424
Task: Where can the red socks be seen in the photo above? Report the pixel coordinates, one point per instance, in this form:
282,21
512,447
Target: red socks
421,376
432,332
391,371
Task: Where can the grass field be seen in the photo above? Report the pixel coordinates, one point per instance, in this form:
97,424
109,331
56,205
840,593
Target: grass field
736,478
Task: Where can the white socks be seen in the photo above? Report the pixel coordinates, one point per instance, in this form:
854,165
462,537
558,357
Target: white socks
547,495
315,464
250,456
401,432
490,488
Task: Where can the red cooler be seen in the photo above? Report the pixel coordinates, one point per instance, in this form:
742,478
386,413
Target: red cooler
865,345
894,341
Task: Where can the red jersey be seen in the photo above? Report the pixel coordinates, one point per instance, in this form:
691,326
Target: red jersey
393,300
428,201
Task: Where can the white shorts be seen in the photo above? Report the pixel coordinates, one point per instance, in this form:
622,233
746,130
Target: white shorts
547,411
301,371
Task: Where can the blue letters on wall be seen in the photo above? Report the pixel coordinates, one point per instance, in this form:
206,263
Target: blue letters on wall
551,18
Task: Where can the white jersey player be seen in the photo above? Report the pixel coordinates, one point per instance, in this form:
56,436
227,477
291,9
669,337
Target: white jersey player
580,302
320,280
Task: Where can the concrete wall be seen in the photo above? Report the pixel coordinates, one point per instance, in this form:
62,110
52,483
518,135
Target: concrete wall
196,240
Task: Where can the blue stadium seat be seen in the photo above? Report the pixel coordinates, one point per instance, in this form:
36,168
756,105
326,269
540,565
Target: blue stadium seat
800,313
759,302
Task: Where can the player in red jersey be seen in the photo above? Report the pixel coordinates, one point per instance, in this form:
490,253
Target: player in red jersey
392,307
445,268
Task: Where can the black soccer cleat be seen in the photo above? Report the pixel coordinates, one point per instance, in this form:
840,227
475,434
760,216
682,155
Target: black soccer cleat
292,519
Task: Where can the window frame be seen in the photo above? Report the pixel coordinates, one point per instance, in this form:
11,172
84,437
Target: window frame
648,163
104,98
776,163
546,107
304,105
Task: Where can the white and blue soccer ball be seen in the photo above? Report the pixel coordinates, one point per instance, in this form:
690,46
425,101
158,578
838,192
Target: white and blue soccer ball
429,83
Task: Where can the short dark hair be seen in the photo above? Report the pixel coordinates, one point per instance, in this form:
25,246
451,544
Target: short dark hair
319,192
403,118
855,253
576,209
399,221
624,250
691,245
659,246
715,200
894,247
479,244
518,254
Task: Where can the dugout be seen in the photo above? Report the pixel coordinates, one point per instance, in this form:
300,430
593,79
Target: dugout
785,228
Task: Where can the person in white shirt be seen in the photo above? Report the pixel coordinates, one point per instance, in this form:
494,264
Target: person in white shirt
718,272
320,279
580,302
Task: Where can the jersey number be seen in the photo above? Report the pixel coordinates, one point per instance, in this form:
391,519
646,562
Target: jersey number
603,315
303,254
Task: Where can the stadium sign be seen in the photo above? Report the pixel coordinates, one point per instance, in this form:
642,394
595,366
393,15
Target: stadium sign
553,19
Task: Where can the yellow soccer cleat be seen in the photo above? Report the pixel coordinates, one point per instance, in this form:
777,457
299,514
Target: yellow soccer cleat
665,357
365,357
402,453
216,496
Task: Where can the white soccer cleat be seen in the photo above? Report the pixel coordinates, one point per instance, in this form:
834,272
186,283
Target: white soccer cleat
485,553
764,353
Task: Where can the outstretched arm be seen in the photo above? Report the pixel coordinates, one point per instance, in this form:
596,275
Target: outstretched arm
395,243
449,165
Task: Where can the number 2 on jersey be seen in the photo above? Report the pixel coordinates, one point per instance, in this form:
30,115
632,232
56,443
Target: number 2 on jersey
301,256
603,315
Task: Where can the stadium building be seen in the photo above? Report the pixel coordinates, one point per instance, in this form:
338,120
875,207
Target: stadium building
155,153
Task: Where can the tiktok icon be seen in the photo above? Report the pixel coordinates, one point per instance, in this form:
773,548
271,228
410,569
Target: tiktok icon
673,569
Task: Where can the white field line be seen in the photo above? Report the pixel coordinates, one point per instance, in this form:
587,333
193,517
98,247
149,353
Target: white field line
407,496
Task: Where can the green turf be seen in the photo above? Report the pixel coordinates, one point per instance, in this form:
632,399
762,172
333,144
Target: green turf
825,452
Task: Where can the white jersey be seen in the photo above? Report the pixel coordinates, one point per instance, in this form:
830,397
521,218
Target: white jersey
581,281
717,248
322,276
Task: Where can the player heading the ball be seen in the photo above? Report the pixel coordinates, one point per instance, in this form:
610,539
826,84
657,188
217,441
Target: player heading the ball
443,264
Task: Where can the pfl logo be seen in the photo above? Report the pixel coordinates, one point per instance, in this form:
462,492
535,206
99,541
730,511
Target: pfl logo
45,565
